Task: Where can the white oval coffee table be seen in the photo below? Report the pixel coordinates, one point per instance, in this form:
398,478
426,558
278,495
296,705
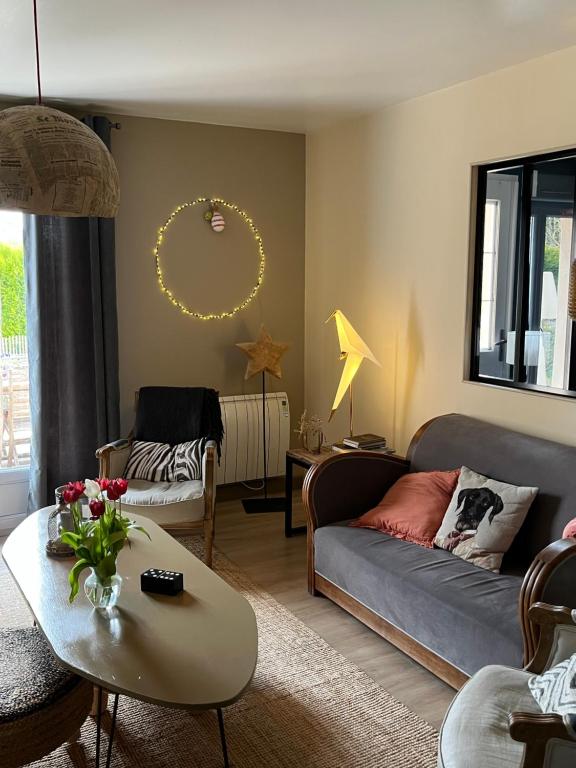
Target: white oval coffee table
196,650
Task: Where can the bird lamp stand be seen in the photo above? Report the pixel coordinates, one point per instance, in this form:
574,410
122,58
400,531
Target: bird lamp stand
265,503
351,411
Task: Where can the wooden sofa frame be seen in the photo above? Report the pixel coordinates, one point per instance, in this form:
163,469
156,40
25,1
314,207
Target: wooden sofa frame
343,496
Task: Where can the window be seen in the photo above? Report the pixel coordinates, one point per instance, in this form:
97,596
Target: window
14,400
522,335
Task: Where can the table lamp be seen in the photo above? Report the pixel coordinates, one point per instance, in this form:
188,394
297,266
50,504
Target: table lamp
353,351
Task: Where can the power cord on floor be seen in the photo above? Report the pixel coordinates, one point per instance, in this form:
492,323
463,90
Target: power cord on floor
254,487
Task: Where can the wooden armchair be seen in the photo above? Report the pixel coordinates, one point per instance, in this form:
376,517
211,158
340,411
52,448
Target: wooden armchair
180,507
495,721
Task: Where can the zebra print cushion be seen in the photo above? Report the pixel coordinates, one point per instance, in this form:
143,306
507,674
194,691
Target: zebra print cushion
160,462
555,689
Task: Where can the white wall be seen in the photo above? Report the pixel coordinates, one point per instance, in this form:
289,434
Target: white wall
388,200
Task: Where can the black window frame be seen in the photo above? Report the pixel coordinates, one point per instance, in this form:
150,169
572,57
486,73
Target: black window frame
521,304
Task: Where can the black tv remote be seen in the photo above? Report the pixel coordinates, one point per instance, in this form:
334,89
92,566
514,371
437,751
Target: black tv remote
161,582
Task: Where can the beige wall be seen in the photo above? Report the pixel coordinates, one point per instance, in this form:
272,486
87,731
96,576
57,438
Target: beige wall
162,164
387,242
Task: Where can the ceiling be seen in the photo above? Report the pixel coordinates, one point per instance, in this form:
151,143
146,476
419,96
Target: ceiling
282,64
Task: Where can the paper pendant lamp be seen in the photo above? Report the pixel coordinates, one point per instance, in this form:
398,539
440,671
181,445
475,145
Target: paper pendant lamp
52,164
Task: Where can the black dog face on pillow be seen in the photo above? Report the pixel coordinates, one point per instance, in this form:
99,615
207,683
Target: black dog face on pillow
475,503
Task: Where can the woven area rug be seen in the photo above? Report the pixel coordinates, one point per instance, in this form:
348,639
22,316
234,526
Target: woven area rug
307,706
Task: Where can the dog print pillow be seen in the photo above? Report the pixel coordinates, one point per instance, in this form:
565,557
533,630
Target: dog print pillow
482,519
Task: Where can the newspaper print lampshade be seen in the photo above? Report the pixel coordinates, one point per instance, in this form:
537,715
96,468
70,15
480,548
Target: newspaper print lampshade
52,164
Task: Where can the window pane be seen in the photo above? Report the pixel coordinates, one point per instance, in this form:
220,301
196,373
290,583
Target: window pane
550,254
14,402
498,288
490,263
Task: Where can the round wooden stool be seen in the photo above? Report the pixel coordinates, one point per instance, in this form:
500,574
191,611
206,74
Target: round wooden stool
42,705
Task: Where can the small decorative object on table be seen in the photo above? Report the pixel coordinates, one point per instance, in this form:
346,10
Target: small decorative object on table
97,541
365,442
59,521
310,433
162,582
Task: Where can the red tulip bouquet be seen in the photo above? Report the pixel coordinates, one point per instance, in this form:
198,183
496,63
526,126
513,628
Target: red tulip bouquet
98,540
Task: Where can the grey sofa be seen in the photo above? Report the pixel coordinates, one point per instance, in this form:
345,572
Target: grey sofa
450,615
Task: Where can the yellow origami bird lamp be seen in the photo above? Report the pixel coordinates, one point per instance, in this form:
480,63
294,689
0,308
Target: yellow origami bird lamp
353,350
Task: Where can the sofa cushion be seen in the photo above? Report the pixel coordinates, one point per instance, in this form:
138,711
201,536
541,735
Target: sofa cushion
413,508
483,518
475,732
465,614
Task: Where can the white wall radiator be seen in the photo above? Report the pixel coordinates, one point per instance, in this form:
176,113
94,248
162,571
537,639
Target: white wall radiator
242,449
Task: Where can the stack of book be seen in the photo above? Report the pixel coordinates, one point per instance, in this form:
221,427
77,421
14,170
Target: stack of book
367,442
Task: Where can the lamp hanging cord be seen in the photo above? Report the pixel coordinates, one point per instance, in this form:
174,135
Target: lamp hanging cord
39,98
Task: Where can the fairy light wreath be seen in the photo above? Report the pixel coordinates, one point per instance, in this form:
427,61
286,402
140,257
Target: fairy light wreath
213,201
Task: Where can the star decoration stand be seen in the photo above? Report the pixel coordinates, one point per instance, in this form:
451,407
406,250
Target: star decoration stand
264,356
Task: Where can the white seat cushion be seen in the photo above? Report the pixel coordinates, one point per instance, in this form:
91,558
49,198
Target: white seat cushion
475,731
147,493
166,503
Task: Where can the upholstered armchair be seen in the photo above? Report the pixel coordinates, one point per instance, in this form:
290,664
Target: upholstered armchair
494,721
172,415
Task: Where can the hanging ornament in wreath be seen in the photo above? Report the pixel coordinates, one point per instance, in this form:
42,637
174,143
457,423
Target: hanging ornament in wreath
216,221
215,218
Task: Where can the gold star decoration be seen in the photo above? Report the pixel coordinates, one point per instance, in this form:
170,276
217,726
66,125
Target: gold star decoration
264,354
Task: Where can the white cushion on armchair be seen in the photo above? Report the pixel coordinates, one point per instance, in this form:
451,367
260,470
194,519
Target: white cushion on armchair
145,492
166,502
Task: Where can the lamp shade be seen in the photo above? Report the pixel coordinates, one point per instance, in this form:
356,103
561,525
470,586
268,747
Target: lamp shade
353,350
52,164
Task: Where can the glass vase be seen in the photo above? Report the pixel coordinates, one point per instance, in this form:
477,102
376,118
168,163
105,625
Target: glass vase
312,440
103,593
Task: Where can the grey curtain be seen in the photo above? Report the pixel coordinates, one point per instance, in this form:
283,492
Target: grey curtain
72,344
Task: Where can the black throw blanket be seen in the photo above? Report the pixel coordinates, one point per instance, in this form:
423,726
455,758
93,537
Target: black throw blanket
178,414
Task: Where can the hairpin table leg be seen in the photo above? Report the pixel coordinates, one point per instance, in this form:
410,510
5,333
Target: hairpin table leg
112,729
98,726
223,737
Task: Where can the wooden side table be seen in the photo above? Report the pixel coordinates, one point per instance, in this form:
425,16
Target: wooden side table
305,459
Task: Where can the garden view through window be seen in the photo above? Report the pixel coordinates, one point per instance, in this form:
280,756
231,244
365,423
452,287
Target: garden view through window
14,392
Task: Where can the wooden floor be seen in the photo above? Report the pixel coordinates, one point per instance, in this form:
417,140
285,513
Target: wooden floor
257,544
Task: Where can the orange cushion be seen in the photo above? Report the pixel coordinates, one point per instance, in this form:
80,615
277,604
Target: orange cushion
414,507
